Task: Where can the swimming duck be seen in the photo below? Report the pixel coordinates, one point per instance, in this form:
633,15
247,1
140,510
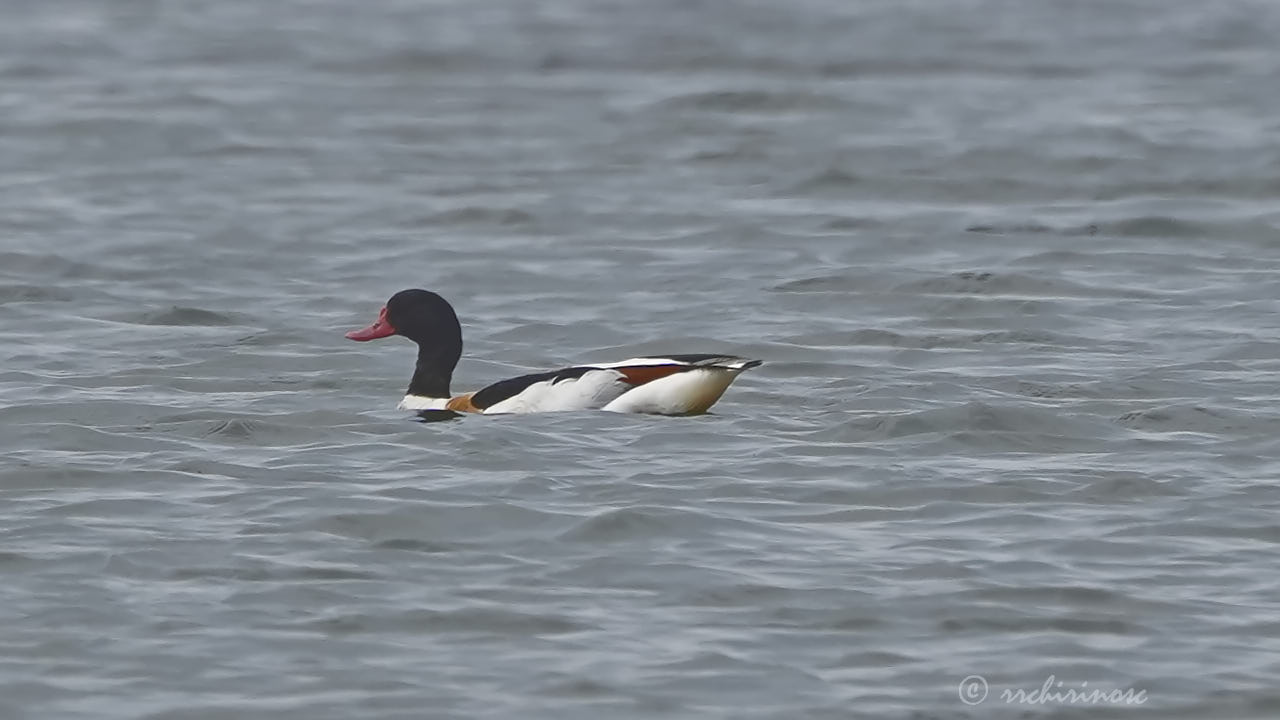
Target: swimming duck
668,385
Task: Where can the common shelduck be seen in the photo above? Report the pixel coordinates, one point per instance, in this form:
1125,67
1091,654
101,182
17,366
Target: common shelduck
668,385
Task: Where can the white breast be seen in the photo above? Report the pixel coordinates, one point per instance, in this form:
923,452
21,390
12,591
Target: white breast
421,402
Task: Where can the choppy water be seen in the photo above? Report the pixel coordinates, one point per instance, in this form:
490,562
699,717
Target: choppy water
1012,267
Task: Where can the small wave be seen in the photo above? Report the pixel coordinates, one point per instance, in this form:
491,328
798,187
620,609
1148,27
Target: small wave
486,620
831,178
888,338
1155,226
1031,336
752,101
244,428
484,216
835,282
272,573
580,687
737,152
236,428
1119,486
1010,229
416,545
850,223
969,422
46,266
1198,418
1009,623
1013,284
738,595
12,558
179,315
620,524
401,60
1251,350
33,293
1050,391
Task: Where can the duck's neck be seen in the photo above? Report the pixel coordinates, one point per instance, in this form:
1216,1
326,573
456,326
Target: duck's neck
433,372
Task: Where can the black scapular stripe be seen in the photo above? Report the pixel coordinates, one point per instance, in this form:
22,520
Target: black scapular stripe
504,389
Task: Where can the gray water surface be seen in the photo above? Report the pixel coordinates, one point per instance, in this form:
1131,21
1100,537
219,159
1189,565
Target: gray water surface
1011,266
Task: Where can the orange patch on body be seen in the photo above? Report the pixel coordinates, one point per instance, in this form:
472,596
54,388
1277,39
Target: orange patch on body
642,374
461,403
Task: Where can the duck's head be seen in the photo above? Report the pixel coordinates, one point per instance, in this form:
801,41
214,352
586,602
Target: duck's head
420,315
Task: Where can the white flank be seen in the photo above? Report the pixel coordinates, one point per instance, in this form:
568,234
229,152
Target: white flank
421,402
691,391
587,392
